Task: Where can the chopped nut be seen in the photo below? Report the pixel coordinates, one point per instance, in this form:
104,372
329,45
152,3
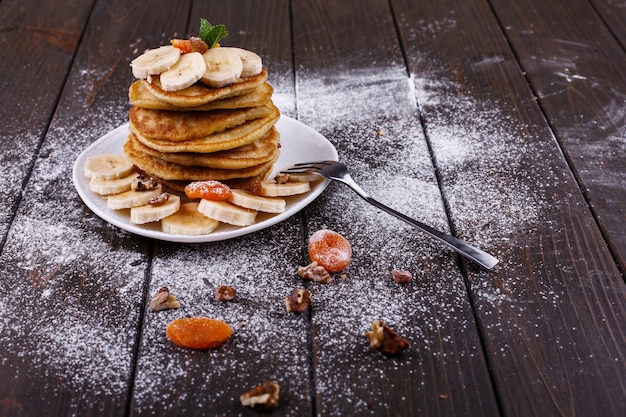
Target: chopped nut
380,132
163,300
401,277
157,200
263,397
298,301
281,178
385,340
225,293
143,183
315,272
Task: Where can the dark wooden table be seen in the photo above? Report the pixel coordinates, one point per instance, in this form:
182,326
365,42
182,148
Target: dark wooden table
502,122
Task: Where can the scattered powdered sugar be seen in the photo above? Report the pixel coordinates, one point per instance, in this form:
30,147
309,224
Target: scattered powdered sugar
84,294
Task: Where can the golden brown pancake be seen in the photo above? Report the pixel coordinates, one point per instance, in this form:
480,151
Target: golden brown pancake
159,168
235,137
239,183
141,96
199,94
180,126
258,152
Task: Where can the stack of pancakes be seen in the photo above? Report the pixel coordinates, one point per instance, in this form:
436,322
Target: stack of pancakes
202,133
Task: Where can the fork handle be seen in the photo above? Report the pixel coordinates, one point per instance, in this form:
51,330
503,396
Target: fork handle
464,248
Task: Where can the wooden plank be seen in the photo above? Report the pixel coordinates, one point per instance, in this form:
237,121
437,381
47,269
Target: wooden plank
614,15
353,87
268,343
72,285
551,314
577,71
50,34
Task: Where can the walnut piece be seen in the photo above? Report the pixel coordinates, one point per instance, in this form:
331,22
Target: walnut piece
263,397
315,272
225,293
298,301
401,277
160,199
385,340
281,178
143,183
163,300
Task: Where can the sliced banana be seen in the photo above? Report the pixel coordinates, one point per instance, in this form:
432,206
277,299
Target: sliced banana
252,63
115,186
188,221
304,177
189,69
153,213
155,61
272,189
108,167
227,212
132,198
223,67
248,200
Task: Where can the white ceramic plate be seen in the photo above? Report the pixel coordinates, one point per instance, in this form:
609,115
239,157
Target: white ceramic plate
299,143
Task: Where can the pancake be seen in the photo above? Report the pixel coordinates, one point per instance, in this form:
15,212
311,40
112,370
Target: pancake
181,126
159,168
199,94
237,183
260,151
229,139
141,96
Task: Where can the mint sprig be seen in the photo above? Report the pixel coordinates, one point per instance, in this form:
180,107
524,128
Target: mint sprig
210,34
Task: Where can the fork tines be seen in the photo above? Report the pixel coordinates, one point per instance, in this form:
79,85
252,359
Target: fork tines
304,167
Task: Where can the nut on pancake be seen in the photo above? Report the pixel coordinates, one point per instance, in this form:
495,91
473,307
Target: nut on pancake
260,151
235,137
199,94
141,96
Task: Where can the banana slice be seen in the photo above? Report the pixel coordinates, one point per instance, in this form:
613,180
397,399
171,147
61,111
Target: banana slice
108,167
132,198
223,67
153,213
272,189
188,221
155,61
304,178
248,200
227,212
189,69
252,63
116,186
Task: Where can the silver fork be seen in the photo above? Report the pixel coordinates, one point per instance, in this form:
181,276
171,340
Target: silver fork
338,172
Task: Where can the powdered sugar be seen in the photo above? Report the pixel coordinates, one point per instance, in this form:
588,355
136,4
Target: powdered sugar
86,294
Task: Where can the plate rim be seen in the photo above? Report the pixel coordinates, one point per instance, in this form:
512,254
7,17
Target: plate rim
284,122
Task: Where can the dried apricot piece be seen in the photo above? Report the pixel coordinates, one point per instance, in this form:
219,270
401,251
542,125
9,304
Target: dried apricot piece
198,332
192,44
209,190
330,250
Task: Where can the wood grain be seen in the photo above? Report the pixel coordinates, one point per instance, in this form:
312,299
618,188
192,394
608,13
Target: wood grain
51,35
352,86
557,265
77,284
577,72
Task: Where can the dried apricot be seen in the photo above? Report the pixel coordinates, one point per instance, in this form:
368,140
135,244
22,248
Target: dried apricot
192,44
198,332
209,190
330,250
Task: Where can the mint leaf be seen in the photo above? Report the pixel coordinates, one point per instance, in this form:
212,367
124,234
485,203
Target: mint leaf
210,34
